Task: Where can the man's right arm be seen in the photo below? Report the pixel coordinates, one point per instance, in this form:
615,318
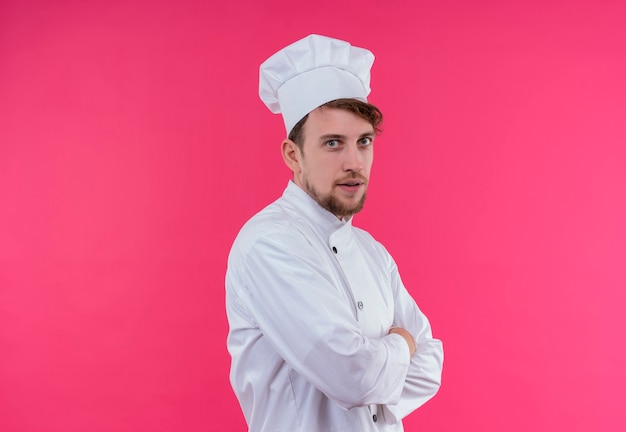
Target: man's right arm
311,324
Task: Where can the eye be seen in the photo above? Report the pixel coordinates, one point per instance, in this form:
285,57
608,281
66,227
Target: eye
365,141
333,144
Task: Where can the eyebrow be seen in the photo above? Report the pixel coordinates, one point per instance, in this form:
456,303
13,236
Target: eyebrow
343,137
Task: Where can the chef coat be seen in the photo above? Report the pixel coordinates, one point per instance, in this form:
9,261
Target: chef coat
310,300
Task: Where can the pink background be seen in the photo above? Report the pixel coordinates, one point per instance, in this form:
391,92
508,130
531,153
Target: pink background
133,146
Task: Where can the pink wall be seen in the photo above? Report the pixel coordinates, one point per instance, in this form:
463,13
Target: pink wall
133,146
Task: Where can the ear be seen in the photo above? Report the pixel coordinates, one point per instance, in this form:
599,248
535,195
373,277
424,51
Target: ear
291,155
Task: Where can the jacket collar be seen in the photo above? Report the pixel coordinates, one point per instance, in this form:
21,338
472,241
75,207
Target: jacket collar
312,211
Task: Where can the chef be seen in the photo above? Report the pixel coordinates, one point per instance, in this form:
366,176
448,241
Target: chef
323,334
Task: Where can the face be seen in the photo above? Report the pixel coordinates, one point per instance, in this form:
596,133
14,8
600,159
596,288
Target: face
336,158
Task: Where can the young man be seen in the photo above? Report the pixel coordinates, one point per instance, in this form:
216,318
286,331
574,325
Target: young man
323,334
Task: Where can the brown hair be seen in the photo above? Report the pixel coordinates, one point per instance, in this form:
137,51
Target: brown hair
365,110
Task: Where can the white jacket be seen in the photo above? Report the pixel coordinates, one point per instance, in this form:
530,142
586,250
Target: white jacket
310,300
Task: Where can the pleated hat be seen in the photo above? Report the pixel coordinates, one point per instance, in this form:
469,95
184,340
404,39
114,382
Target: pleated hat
310,72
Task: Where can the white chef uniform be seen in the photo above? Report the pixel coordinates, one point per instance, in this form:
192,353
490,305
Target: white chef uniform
310,300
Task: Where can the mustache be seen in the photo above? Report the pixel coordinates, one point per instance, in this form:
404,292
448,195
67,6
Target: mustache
354,176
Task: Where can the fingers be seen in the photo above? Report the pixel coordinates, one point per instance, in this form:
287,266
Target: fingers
407,337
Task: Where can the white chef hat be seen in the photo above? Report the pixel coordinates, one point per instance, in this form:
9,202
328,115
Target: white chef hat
310,72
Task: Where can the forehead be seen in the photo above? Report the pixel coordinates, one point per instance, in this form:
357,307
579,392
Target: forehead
326,120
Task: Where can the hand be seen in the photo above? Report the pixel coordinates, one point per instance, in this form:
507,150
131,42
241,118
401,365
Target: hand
407,337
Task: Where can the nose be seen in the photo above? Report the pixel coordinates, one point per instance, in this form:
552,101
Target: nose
352,159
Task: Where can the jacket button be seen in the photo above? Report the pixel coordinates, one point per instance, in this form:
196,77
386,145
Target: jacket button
334,249
360,305
375,418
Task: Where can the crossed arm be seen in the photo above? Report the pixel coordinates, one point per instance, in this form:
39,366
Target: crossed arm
311,325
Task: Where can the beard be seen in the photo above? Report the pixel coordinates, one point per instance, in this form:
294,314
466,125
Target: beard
332,203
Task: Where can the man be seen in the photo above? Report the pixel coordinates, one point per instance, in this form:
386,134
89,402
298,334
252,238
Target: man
323,335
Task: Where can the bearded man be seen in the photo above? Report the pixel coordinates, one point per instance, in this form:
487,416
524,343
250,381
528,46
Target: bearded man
323,334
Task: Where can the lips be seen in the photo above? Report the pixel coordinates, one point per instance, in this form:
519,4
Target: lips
352,184
354,181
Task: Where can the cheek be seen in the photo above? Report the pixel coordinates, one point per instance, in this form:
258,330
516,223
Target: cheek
368,163
321,179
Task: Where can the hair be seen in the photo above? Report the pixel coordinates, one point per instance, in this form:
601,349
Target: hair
366,111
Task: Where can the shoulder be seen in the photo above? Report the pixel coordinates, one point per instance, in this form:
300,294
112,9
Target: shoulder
368,241
278,221
374,249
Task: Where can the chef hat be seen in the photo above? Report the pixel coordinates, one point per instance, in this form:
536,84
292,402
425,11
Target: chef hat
310,72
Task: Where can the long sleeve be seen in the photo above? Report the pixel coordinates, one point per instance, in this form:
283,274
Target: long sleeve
423,378
288,287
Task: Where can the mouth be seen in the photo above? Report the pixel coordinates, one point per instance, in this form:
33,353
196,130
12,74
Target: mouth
351,185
